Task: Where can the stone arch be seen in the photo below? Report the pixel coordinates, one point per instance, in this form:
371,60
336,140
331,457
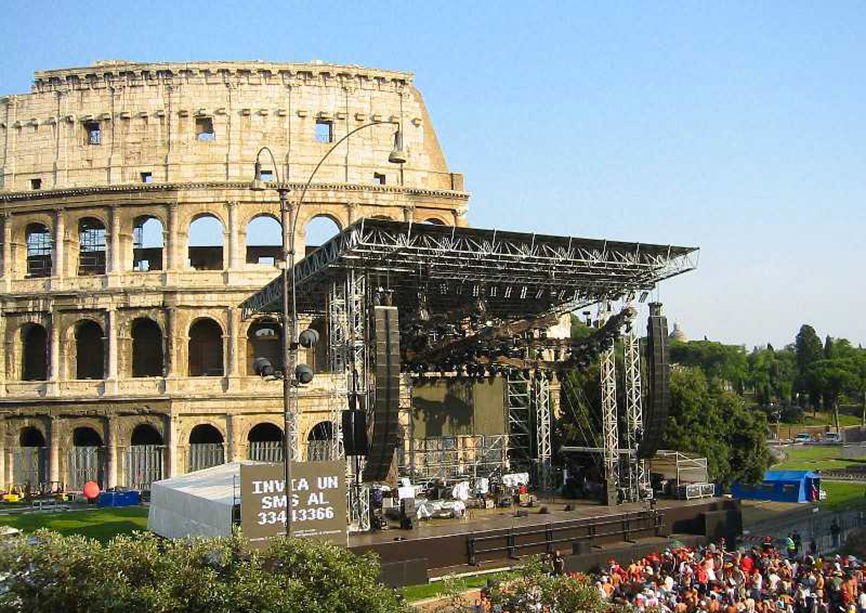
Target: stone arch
31,436
86,456
320,442
435,221
86,436
264,340
319,228
205,348
89,350
39,246
34,352
148,358
206,242
265,442
148,243
92,246
145,434
383,217
206,447
263,235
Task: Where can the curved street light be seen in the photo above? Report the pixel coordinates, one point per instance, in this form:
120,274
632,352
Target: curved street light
289,219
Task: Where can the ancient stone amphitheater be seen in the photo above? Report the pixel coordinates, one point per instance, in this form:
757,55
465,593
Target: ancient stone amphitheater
130,237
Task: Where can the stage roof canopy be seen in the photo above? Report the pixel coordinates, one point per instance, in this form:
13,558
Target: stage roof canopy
518,274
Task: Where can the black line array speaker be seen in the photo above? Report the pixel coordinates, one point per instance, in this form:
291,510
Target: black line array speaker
658,397
386,408
355,432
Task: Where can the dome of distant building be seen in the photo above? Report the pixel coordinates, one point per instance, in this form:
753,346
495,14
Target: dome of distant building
678,335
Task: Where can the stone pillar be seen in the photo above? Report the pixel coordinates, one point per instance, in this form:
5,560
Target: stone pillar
54,370
3,349
3,480
113,453
59,255
234,237
233,325
171,353
54,451
115,247
170,245
171,447
8,269
113,341
232,428
409,212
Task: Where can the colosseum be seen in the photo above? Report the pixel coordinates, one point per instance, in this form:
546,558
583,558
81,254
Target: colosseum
131,238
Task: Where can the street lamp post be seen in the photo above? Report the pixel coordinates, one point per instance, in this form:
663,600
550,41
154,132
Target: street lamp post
289,219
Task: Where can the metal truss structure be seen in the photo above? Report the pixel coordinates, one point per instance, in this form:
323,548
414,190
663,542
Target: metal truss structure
541,400
450,282
519,408
609,423
520,274
452,458
637,478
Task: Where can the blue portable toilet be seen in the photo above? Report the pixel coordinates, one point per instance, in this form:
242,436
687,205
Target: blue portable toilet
781,486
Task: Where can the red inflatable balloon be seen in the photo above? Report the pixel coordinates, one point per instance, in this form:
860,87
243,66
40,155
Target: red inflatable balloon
91,490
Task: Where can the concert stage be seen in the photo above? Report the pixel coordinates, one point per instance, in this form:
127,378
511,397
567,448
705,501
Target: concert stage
587,536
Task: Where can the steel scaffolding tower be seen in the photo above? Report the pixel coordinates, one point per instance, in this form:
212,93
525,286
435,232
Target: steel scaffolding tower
541,402
609,425
519,393
637,481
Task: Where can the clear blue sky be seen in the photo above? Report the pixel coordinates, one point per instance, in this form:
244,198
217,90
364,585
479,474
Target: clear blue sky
737,127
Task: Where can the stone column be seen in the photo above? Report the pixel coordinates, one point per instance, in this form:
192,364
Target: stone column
233,325
3,349
54,370
171,350
409,212
112,452
234,237
53,451
113,342
170,245
2,452
171,447
115,247
59,255
7,252
234,452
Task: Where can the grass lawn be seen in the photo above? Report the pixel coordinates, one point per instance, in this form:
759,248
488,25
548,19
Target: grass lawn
813,457
824,419
414,593
101,524
841,494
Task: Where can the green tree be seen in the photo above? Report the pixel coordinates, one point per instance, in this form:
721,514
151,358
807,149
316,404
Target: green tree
725,363
808,350
834,377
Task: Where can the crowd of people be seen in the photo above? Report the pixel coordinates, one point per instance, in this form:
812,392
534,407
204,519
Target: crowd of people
763,579
712,579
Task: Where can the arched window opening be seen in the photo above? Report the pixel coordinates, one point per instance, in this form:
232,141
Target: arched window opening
264,241
385,217
145,434
31,437
35,353
434,222
265,443
144,457
205,349
91,247
147,244
147,358
264,340
320,447
30,461
318,231
86,458
89,351
40,250
205,447
206,243
86,437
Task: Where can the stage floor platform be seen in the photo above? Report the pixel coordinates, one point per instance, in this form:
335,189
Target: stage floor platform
498,537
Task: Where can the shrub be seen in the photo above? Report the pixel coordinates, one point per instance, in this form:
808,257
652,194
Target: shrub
143,573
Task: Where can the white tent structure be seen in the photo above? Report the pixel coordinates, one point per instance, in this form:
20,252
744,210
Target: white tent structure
196,504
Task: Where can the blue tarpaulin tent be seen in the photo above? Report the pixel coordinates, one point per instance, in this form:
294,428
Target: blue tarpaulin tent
781,486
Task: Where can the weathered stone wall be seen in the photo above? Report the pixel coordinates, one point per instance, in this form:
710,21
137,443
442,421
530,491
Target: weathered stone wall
147,123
